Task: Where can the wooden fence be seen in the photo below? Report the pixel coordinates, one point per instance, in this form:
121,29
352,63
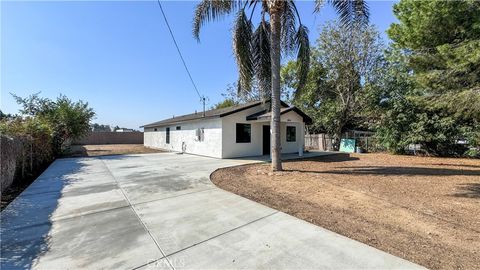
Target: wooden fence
322,142
112,138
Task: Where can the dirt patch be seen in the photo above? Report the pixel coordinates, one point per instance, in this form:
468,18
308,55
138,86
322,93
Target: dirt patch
108,149
426,210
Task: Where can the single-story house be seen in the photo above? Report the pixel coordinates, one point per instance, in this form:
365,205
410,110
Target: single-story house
236,131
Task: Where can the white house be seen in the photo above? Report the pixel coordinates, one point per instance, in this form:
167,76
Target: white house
237,131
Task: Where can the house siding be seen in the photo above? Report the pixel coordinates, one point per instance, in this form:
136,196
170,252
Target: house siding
233,149
220,135
292,119
210,146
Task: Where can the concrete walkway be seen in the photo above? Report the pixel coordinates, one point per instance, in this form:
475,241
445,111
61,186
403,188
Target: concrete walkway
160,211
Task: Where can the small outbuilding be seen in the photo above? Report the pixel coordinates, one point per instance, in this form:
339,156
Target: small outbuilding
237,131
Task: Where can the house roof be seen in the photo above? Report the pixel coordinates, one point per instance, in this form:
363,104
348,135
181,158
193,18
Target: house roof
215,113
267,114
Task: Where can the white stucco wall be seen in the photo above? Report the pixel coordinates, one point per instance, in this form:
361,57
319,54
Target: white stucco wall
292,119
220,135
255,148
233,149
211,146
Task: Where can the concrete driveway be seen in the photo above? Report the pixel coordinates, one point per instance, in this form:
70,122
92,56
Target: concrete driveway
160,211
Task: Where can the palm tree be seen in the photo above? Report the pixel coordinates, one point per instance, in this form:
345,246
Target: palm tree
258,51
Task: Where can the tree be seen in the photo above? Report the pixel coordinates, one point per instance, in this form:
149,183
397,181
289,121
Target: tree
439,45
68,120
316,87
442,41
225,104
344,67
258,52
232,97
6,115
101,128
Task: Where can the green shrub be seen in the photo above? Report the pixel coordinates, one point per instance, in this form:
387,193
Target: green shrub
472,153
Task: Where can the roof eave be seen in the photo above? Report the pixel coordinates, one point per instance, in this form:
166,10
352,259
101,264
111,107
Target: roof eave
181,121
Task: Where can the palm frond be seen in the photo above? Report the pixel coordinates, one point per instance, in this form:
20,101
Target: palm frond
303,57
242,39
261,57
318,5
351,11
210,10
288,27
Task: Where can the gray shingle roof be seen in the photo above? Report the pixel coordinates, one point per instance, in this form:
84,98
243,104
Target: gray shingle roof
227,111
268,114
208,114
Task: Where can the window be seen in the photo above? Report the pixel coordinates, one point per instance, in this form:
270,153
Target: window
155,129
244,132
178,128
167,138
291,134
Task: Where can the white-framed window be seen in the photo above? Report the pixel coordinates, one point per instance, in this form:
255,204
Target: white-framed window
291,134
243,133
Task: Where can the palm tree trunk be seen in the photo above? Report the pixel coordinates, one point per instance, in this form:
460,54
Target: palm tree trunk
275,60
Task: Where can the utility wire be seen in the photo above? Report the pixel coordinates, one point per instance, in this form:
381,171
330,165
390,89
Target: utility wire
180,53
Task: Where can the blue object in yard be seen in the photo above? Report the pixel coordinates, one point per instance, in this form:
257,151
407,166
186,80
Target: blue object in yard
347,145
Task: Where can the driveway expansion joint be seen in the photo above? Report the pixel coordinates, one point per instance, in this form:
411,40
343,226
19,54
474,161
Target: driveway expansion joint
224,233
138,216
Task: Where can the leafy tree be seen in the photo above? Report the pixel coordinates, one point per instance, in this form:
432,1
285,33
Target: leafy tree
68,120
316,87
5,115
225,104
345,64
101,128
258,51
442,39
232,97
440,44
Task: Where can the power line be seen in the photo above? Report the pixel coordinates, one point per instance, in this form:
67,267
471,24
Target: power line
202,98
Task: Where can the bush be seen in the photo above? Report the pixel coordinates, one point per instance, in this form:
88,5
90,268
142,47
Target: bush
66,119
472,153
26,150
31,141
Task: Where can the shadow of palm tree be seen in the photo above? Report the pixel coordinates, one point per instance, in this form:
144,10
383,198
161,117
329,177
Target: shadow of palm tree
468,190
398,170
340,157
455,165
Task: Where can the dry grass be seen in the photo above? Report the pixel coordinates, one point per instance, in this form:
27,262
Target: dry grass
426,210
108,149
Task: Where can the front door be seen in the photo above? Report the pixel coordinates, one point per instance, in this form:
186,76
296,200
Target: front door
266,140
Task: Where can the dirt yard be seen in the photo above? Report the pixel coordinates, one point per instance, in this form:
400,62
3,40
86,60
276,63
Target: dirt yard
426,210
108,149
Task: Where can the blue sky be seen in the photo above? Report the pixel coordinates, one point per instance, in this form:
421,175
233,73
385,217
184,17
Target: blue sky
119,57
